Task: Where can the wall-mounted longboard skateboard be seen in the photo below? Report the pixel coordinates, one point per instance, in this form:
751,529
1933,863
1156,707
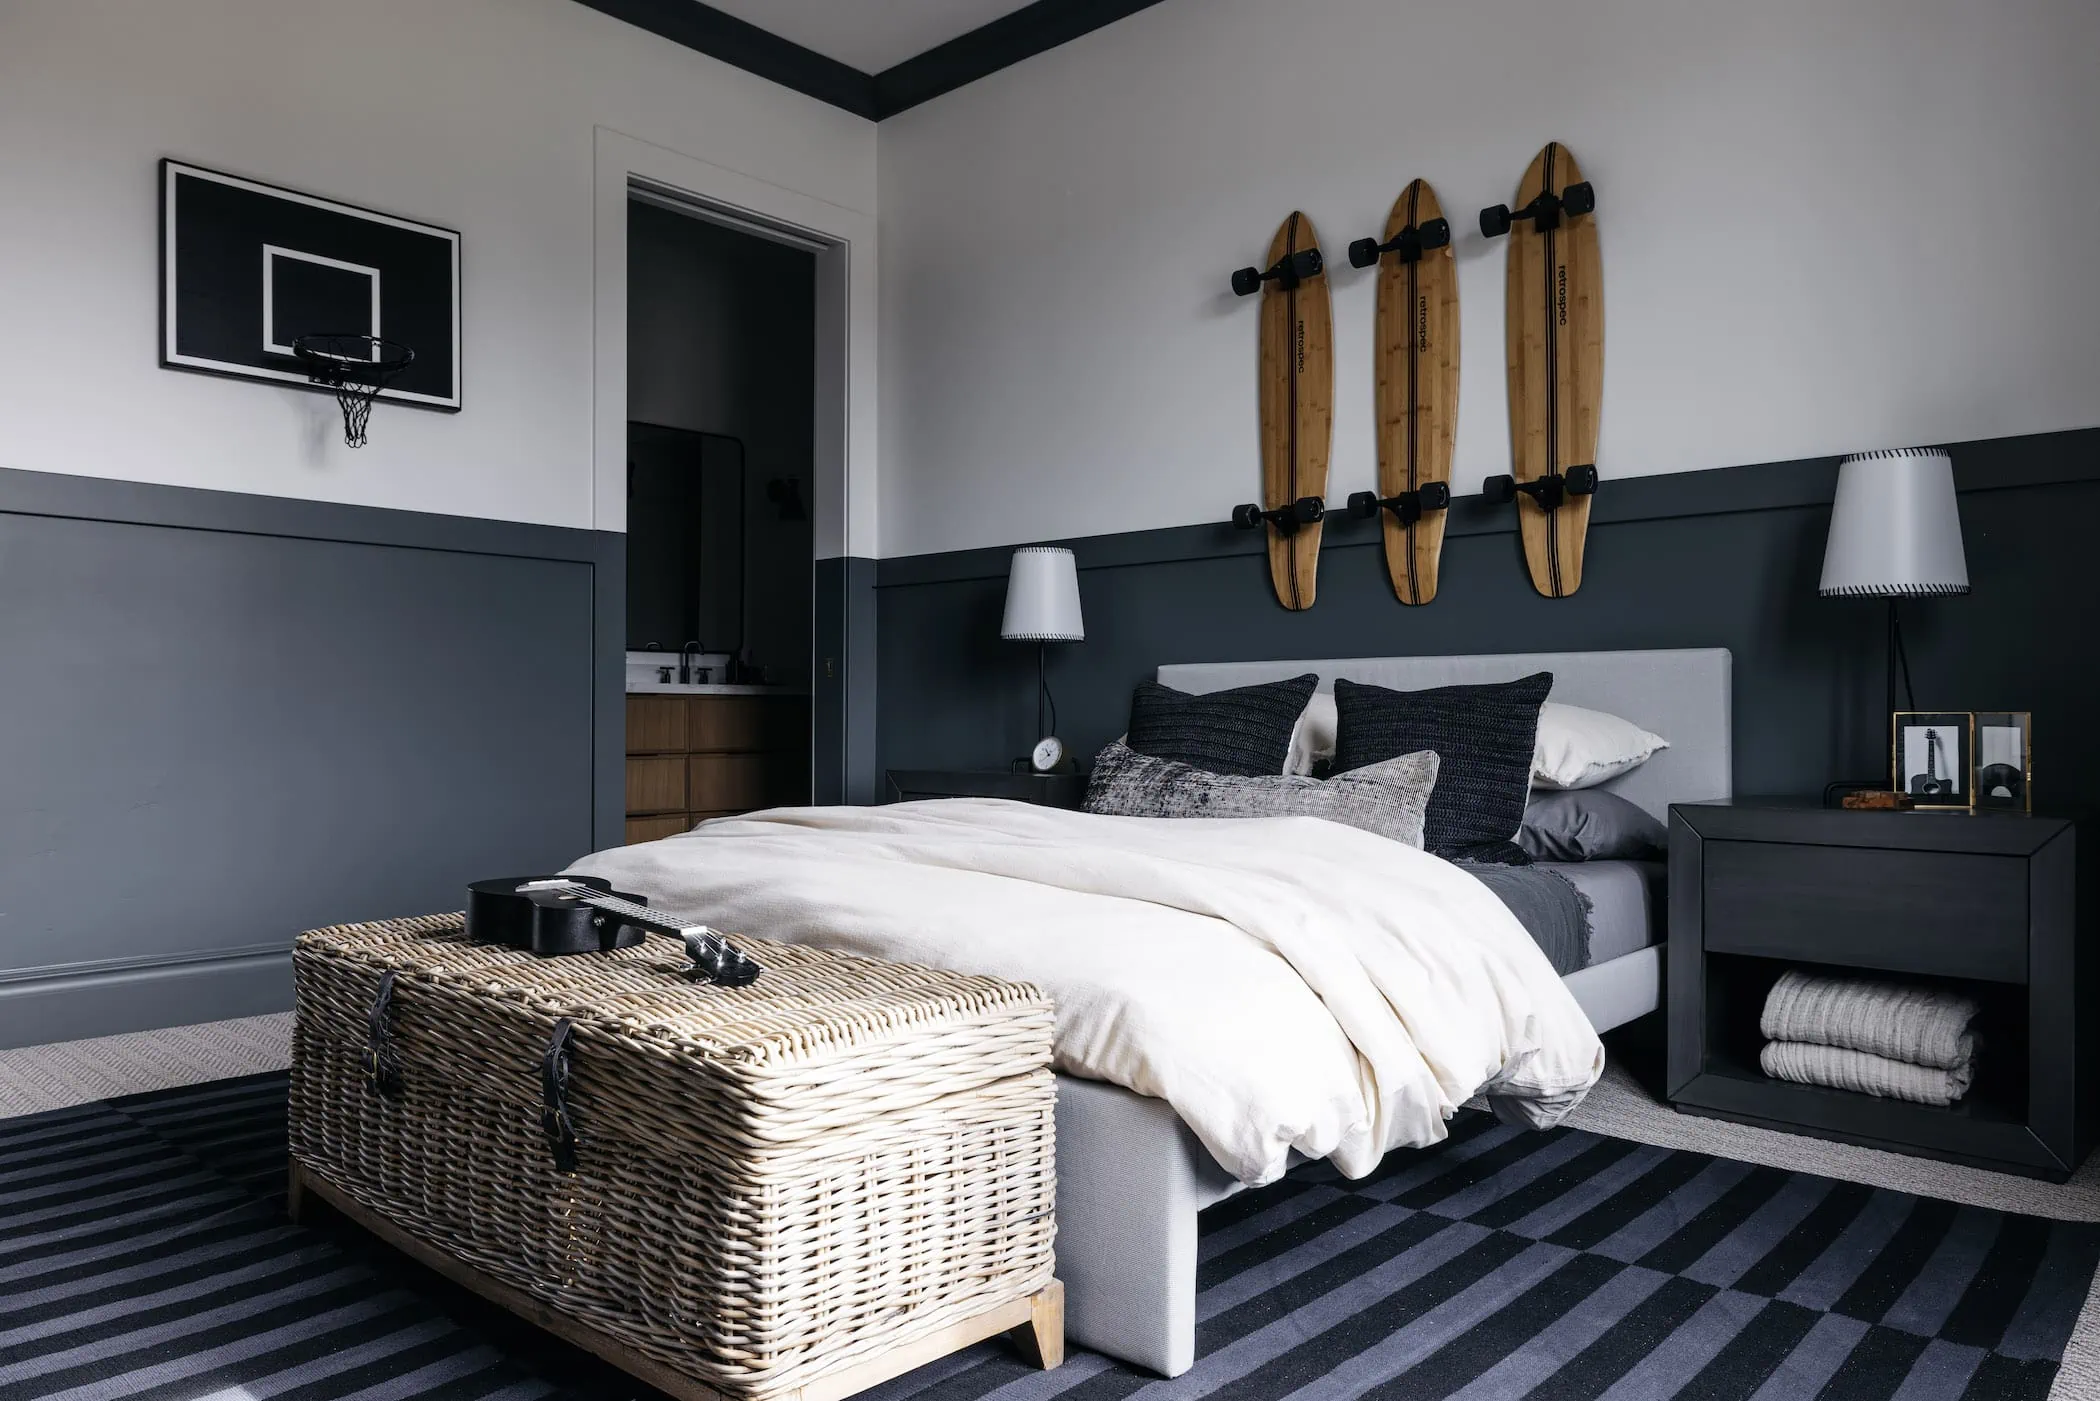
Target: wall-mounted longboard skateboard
1416,362
1297,407
1556,364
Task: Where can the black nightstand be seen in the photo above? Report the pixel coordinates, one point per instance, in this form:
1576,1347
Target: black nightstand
1055,790
1985,902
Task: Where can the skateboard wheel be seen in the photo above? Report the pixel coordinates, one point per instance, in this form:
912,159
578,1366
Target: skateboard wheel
1306,263
1499,490
1247,517
1436,233
1579,198
1582,481
1363,504
1494,220
1363,252
1246,282
1307,510
1434,496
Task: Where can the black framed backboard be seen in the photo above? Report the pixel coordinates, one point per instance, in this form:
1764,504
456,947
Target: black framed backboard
246,268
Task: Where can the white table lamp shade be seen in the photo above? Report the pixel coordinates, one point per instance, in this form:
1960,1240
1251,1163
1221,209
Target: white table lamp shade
1042,596
1894,528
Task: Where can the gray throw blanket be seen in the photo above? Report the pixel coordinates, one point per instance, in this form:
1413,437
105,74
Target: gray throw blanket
1925,1026
1553,912
1836,1068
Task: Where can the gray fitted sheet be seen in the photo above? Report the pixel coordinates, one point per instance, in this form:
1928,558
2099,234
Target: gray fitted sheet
1627,906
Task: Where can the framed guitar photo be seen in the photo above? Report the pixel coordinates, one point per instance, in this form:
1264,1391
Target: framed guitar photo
2004,760
1933,758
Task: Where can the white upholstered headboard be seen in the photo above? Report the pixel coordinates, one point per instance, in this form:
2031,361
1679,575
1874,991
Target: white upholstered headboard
1682,695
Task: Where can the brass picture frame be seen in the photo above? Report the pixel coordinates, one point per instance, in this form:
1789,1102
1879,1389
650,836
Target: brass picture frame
1932,758
2004,770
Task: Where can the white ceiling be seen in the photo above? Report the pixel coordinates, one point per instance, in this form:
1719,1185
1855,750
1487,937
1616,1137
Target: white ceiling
871,35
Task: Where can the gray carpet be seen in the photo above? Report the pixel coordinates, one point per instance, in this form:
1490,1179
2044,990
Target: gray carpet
143,1253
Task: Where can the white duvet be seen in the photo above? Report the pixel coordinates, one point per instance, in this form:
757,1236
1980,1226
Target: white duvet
1284,983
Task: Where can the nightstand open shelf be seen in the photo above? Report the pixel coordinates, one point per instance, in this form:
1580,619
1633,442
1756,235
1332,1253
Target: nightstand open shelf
1986,905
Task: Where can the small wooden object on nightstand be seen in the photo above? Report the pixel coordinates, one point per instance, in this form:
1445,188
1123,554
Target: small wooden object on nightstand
1055,790
1987,903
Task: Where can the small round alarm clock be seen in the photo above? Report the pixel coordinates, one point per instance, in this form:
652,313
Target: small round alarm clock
1048,754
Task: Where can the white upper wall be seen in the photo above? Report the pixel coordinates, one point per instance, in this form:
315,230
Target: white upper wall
474,114
1826,225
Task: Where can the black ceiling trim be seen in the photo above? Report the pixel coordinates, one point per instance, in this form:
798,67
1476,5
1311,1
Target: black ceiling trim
964,59
1026,32
708,30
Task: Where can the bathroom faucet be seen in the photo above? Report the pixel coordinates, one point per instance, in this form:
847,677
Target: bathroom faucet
685,667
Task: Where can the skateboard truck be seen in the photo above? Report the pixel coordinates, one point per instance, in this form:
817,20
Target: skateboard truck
1408,505
1306,510
1410,243
1290,270
1550,491
1545,210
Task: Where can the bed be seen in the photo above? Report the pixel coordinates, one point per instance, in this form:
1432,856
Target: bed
1130,1177
1132,1173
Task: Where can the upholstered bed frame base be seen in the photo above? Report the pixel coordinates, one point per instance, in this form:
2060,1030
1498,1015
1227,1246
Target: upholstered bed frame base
1131,1177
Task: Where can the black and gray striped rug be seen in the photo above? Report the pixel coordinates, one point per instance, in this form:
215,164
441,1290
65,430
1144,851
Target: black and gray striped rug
143,1253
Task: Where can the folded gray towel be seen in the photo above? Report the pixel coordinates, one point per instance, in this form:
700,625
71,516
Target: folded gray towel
1836,1068
1925,1026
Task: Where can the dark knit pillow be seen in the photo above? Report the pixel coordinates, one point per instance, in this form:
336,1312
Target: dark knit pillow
1483,737
1245,731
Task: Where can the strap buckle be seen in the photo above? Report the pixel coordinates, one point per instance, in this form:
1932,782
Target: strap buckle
555,1124
381,1066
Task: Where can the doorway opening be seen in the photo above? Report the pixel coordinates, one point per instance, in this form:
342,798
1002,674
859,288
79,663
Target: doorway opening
721,433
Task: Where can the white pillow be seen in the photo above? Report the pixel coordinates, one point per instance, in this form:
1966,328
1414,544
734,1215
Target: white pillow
1312,738
1580,748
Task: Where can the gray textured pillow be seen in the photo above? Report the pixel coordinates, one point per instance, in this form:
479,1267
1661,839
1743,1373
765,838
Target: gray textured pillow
1589,824
1389,798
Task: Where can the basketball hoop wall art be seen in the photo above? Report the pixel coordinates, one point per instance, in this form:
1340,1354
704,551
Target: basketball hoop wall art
254,277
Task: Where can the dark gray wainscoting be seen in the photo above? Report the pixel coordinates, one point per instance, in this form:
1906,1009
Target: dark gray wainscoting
843,705
227,718
1728,557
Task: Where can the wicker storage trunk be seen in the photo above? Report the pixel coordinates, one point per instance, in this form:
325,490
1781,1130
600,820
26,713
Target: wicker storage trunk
801,1186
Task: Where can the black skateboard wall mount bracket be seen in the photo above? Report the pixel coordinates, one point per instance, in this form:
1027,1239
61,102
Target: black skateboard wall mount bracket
1287,273
1410,243
1306,510
1545,210
1408,506
1551,491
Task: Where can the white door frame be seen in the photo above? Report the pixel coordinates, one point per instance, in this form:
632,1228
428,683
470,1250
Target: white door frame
842,508
843,457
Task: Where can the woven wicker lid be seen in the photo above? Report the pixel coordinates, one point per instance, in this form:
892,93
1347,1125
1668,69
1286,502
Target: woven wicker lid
810,1005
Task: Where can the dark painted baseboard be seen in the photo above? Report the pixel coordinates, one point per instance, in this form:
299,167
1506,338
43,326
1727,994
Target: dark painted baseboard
1728,557
231,717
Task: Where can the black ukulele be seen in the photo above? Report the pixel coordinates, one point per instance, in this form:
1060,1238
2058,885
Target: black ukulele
1929,784
554,915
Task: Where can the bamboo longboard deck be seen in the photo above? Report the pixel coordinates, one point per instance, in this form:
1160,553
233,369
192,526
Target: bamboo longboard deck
1297,410
1417,368
1556,369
